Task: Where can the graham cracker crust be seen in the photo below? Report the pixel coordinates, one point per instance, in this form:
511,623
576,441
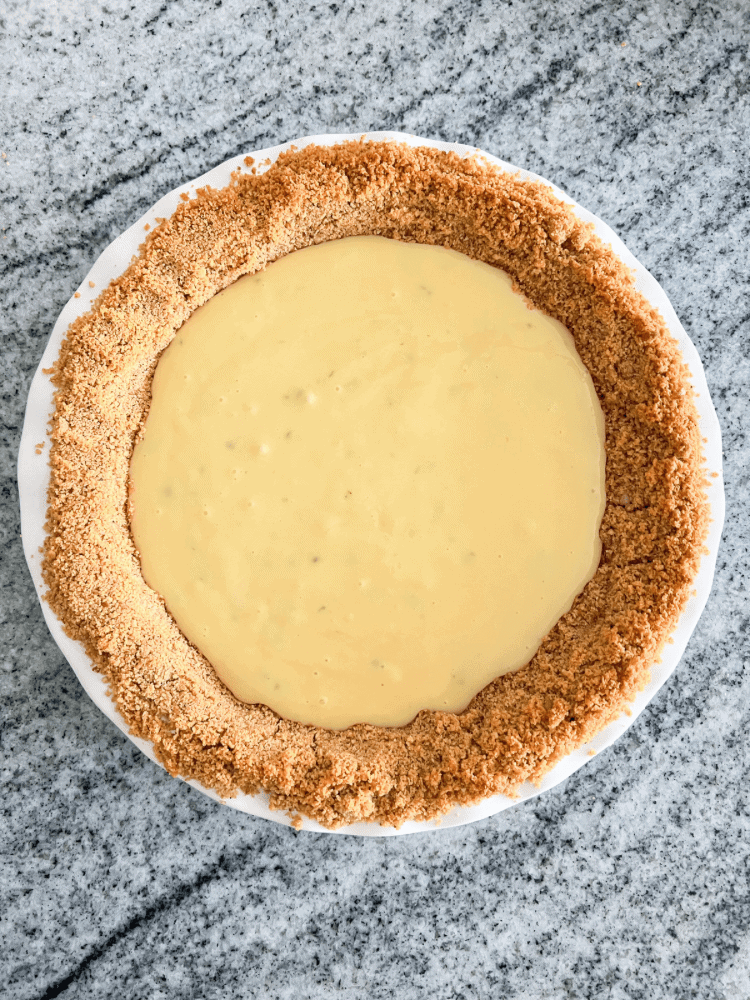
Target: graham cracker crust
590,665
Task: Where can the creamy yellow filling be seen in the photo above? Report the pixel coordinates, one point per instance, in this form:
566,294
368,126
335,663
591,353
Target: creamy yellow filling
371,481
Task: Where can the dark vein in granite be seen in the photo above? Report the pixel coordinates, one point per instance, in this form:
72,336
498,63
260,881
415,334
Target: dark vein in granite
123,176
119,178
164,9
92,237
721,64
224,865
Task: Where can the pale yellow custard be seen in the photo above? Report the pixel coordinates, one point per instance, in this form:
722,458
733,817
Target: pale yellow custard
371,481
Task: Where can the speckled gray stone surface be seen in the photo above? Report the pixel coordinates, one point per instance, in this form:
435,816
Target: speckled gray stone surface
632,880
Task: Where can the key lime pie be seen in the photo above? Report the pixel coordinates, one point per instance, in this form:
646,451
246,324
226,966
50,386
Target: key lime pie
375,484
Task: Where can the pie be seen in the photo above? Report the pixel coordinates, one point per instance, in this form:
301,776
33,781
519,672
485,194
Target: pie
590,665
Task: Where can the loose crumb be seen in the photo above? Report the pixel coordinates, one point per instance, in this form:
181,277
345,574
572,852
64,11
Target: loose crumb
77,295
92,284
592,663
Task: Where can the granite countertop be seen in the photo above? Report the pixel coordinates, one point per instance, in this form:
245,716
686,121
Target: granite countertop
630,880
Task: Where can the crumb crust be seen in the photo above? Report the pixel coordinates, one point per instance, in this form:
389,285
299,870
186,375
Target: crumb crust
591,664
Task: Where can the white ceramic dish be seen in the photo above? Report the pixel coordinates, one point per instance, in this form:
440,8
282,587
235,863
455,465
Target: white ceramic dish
33,477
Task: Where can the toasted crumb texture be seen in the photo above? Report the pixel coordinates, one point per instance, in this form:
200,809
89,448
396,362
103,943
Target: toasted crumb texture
591,664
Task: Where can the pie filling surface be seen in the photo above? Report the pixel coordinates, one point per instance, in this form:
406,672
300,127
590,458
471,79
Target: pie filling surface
594,657
371,481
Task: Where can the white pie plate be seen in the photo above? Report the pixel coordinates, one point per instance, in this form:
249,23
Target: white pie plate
33,477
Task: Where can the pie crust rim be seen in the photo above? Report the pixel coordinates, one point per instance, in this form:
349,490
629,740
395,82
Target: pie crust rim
346,790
